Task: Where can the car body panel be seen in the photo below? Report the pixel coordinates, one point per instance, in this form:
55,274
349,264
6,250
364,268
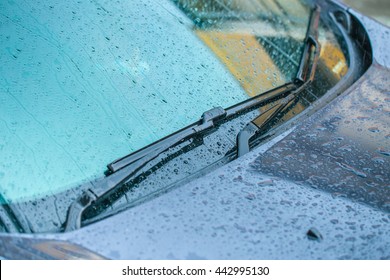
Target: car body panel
247,210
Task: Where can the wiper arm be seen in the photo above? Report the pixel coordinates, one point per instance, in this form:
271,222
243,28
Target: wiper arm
305,75
123,169
312,49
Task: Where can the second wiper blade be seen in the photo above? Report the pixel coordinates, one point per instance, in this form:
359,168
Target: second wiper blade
305,75
308,64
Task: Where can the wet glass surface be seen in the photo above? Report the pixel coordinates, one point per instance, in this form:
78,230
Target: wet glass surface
94,87
83,83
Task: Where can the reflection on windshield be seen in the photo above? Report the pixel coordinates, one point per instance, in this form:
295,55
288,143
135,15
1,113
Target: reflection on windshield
258,41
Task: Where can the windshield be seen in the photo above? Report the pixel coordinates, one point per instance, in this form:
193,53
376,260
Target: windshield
84,83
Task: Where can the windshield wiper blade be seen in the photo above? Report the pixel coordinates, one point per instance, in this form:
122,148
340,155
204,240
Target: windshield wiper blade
123,169
305,75
207,121
309,59
11,218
